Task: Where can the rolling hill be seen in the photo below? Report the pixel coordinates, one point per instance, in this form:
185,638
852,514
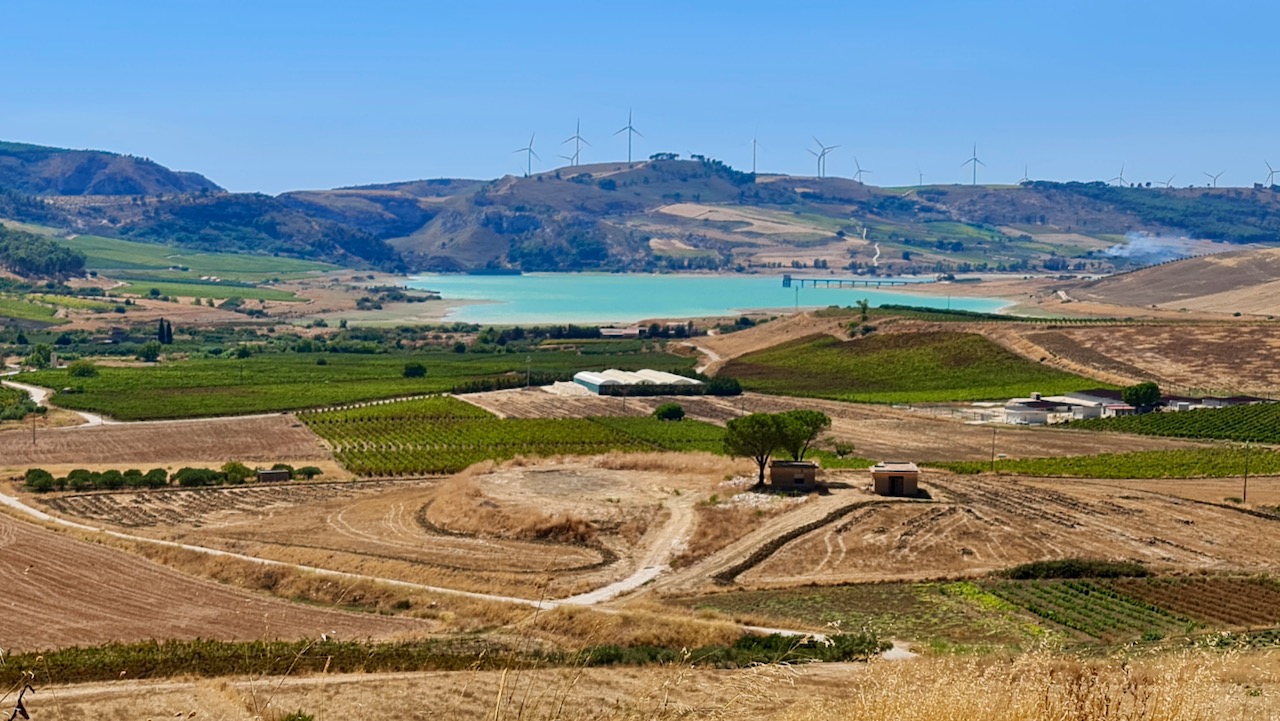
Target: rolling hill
41,170
1246,281
662,214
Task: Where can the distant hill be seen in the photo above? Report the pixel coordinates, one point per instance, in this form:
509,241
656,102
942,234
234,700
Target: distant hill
40,170
1240,282
662,214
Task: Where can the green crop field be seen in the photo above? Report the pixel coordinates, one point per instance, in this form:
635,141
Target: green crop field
22,309
107,254
1093,610
273,382
75,302
1259,423
1175,463
445,435
220,291
899,368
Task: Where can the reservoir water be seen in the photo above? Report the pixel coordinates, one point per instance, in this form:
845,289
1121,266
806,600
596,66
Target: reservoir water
627,298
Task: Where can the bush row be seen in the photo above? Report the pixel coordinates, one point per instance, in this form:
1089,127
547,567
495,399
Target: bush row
39,480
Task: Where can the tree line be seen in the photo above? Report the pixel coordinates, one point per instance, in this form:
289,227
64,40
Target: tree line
38,480
28,254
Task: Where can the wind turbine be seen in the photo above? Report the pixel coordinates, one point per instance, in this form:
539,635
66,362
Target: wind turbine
919,173
1271,174
857,177
578,141
974,160
529,156
630,130
1215,177
755,145
822,155
1168,183
1026,178
1120,177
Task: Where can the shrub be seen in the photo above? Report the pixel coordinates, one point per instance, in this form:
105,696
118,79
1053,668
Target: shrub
39,480
308,472
1077,568
284,467
415,370
669,412
724,387
236,472
195,477
82,369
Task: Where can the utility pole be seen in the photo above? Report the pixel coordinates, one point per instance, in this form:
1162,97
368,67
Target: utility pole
33,429
1244,494
993,449
528,372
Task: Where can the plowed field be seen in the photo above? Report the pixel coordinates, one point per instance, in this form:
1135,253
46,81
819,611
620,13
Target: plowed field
60,591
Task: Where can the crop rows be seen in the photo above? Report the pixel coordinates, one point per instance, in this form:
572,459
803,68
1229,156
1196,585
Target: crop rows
899,368
1239,423
1089,608
1176,463
1232,602
445,435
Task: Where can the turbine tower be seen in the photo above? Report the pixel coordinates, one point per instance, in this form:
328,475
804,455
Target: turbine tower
529,156
1026,177
1120,177
919,174
857,176
974,160
755,145
578,141
1214,178
821,155
630,130
1271,174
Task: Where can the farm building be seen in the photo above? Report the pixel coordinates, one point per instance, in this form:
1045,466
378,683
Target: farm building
793,475
273,476
895,478
641,382
1034,411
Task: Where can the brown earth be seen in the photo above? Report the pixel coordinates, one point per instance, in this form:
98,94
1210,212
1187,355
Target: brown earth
62,591
978,524
266,439
1245,282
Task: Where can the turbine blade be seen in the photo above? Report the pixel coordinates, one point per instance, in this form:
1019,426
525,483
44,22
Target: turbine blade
623,130
584,141
979,162
637,132
534,154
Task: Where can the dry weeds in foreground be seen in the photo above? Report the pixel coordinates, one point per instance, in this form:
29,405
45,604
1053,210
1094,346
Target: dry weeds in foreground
1037,687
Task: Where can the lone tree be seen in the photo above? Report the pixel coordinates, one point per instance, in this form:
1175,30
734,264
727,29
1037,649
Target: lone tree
756,437
1142,395
415,370
800,428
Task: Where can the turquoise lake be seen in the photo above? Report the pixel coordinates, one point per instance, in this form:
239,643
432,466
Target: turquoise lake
627,298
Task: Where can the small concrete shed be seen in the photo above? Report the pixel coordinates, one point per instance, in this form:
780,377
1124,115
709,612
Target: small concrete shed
895,478
793,475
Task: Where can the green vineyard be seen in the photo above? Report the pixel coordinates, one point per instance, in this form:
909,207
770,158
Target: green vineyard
1092,609
441,434
1177,463
1260,423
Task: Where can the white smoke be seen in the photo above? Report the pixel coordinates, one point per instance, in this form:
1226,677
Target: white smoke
1143,249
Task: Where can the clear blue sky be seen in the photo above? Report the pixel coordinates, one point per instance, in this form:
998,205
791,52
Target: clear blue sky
278,95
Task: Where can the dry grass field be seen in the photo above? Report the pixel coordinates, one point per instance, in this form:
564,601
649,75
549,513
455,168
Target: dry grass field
1226,358
62,591
268,439
1238,282
534,532
1036,687
981,524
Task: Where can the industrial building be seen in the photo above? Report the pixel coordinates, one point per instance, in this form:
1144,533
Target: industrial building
642,382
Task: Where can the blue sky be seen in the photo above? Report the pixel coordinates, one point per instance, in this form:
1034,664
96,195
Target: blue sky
278,95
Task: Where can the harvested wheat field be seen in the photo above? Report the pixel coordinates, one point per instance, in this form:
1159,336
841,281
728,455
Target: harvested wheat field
976,525
1034,687
62,592
1227,358
265,439
547,531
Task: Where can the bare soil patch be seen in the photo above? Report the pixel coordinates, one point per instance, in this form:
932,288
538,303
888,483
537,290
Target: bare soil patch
269,439
982,524
63,591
